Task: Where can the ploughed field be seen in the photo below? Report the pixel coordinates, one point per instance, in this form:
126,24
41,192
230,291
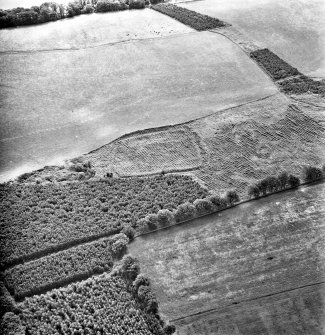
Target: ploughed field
255,269
60,103
293,30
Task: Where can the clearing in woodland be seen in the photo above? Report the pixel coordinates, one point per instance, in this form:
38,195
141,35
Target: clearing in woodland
247,270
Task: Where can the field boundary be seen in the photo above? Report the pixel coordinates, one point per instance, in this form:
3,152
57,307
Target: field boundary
247,300
167,127
306,184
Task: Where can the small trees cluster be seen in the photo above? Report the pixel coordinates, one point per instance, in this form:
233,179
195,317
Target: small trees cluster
187,211
273,184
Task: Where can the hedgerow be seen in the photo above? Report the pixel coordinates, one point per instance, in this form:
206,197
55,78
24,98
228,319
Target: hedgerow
274,65
187,211
38,219
191,18
64,267
104,304
301,85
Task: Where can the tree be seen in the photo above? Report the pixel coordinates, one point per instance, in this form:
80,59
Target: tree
293,181
130,267
218,202
165,217
232,197
203,206
128,231
184,212
152,221
283,180
262,185
272,184
254,192
140,280
169,329
312,174
137,4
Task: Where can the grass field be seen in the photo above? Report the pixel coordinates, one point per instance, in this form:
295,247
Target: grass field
60,104
293,30
229,261
238,146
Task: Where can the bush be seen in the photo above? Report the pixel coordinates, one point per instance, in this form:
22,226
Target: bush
130,268
312,174
137,4
185,212
152,221
283,180
169,329
203,206
232,197
254,191
218,202
119,245
293,181
165,217
11,325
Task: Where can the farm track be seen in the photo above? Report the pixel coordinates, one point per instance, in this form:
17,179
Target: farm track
248,300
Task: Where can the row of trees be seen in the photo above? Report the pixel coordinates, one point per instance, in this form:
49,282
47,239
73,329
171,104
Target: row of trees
273,64
187,211
191,18
52,11
303,84
284,181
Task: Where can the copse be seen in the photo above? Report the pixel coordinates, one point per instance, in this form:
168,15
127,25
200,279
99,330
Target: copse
312,173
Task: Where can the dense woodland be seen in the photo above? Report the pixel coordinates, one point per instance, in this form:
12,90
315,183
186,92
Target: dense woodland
35,218
118,303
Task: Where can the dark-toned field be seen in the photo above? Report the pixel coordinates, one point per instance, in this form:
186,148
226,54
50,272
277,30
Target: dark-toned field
250,263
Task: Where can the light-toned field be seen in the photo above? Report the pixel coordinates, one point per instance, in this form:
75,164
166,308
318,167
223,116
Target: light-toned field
238,146
91,30
248,270
294,30
60,104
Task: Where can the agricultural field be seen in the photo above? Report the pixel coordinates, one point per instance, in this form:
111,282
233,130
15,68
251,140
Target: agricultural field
294,30
39,219
238,146
117,88
247,270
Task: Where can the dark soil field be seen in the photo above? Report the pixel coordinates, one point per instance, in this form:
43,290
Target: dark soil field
254,269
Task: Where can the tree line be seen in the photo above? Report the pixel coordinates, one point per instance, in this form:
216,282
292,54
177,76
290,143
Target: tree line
52,11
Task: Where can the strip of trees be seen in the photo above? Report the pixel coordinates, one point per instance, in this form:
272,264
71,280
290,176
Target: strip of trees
187,211
284,181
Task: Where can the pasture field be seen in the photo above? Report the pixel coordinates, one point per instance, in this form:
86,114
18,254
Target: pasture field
294,30
61,104
257,264
238,146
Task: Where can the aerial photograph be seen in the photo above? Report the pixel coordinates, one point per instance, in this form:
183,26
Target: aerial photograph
162,167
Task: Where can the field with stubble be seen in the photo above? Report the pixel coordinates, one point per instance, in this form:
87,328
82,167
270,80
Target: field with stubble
247,270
